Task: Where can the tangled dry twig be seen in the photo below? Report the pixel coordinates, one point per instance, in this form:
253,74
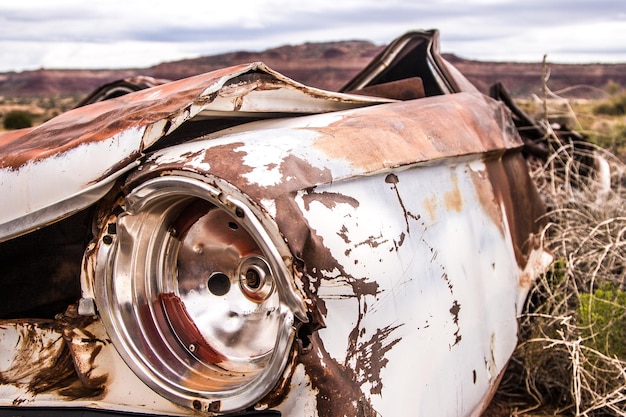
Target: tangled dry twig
571,358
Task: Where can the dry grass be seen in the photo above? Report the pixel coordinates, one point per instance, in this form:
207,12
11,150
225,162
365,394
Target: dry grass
571,359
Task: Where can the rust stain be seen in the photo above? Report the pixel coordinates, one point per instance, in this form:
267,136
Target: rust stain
13,135
404,133
524,208
370,358
34,356
42,367
534,264
59,375
398,243
120,165
372,241
339,386
526,279
343,234
430,204
393,180
405,89
84,349
106,119
329,200
454,312
452,199
486,197
455,309
277,396
339,392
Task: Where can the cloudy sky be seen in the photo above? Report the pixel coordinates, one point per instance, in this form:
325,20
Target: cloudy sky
139,33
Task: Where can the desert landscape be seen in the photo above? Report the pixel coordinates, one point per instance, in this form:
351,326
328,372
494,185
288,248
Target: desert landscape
44,93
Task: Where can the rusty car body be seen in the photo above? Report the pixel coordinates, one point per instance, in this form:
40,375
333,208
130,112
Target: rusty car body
239,243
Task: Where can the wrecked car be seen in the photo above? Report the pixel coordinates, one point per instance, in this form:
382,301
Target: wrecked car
239,243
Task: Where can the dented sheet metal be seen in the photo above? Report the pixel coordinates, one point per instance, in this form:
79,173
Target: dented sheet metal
71,161
389,248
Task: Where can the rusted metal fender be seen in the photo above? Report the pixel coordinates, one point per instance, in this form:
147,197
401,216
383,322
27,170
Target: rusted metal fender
413,229
70,362
413,246
70,162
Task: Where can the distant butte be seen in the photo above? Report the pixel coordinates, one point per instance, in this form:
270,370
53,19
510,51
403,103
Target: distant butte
326,65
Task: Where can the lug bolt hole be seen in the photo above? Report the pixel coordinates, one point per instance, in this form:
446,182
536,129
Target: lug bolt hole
219,284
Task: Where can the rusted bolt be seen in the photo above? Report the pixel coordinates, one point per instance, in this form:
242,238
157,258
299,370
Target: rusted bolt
239,212
197,405
173,232
107,240
215,406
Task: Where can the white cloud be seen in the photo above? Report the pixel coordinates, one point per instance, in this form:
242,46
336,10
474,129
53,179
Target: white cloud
122,33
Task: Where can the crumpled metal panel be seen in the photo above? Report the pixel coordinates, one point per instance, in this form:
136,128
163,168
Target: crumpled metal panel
71,161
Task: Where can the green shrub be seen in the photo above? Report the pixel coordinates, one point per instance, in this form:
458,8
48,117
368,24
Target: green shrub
615,106
601,317
609,135
17,120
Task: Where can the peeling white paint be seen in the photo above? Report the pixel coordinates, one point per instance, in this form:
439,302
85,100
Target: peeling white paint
40,184
424,268
193,159
270,206
301,401
264,160
424,275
